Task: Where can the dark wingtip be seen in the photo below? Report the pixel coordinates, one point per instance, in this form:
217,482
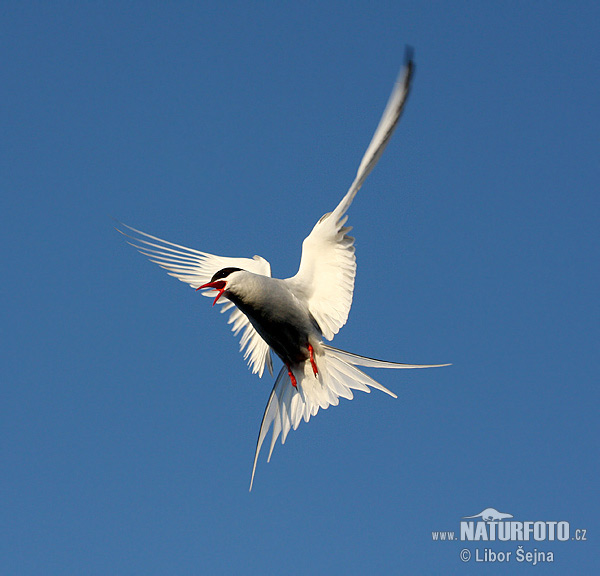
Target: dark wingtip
409,62
409,54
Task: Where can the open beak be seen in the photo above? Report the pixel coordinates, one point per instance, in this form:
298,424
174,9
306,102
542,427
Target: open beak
218,285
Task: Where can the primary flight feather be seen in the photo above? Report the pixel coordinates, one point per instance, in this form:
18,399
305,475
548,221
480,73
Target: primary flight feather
291,317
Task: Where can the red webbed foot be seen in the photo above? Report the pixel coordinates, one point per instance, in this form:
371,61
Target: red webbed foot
292,377
312,360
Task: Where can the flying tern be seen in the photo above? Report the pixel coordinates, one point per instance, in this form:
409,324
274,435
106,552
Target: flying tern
292,316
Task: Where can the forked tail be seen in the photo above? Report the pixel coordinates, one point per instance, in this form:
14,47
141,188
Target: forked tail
338,375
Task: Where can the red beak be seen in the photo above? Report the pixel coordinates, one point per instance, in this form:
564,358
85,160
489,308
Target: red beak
218,285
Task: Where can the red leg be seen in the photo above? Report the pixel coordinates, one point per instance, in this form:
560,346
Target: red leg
292,377
312,360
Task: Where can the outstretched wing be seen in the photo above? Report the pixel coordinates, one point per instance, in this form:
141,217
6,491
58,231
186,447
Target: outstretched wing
328,265
197,268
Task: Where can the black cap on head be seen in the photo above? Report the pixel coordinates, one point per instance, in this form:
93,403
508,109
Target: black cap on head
224,272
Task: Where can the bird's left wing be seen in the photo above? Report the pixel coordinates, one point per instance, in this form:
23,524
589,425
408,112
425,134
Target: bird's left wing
328,264
197,268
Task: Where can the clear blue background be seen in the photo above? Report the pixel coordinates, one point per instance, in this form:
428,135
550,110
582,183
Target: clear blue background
129,419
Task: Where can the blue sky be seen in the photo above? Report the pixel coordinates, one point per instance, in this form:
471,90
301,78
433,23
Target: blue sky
129,419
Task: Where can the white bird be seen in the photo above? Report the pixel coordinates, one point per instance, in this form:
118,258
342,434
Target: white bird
291,317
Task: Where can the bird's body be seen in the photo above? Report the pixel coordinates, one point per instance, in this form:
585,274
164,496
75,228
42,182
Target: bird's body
278,313
292,316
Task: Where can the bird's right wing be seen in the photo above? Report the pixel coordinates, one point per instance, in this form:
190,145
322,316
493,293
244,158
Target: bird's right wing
328,265
197,268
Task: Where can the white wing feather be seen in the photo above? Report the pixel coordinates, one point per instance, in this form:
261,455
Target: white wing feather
328,264
197,268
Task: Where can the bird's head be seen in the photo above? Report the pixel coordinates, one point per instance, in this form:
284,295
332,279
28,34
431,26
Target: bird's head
220,281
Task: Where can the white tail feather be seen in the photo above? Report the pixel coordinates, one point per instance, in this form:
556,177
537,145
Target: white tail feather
337,377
